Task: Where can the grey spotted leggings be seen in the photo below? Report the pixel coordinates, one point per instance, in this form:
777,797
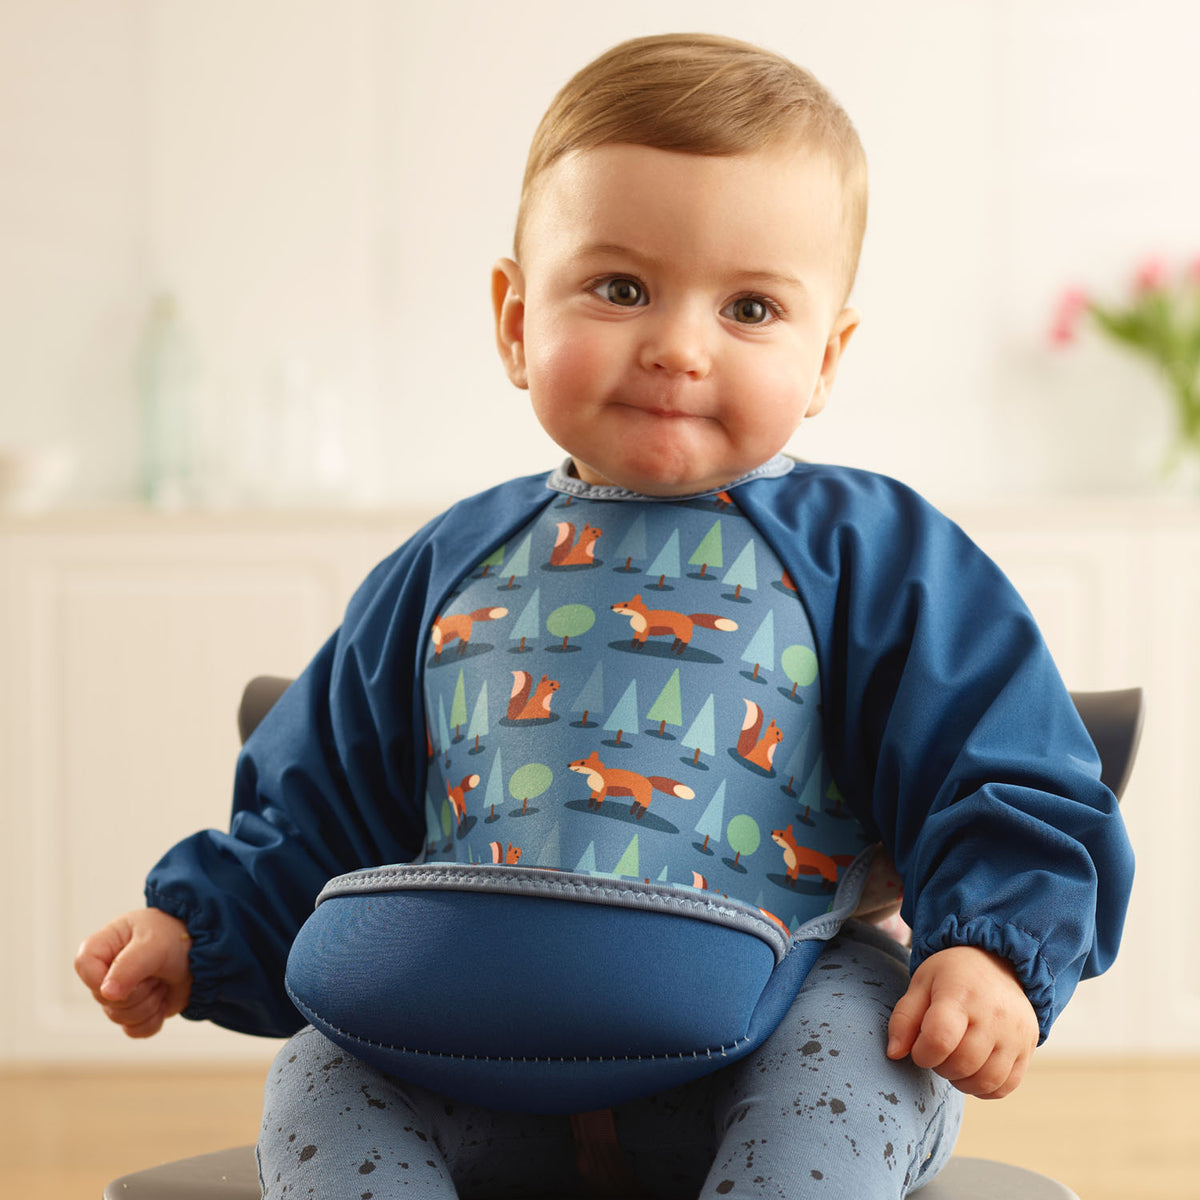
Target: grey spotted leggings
817,1111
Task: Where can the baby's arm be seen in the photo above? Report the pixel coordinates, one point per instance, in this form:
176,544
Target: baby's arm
966,1017
137,969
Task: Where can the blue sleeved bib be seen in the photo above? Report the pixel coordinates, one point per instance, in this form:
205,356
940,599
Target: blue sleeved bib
941,718
628,809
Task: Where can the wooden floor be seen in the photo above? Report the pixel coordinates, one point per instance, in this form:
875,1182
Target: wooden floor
1112,1130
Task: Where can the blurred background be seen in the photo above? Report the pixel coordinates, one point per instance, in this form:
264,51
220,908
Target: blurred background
316,191
246,347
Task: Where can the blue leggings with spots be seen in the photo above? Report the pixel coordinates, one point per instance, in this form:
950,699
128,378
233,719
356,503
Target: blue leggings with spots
817,1111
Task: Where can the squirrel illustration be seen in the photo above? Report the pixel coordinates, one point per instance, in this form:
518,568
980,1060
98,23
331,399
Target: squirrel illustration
661,621
522,706
800,858
613,781
510,857
458,797
570,551
755,744
446,629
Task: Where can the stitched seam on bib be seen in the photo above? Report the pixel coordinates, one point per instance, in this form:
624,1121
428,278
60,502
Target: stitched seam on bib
704,1052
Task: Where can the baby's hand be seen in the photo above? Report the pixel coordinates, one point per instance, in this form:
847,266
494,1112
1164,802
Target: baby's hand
966,1017
137,969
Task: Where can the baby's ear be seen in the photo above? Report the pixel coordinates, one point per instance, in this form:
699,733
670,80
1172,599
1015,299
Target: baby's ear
508,304
846,323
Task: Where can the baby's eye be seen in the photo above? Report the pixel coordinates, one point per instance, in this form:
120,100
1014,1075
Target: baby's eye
751,310
619,290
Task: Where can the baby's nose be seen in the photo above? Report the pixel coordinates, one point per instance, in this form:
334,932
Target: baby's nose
677,344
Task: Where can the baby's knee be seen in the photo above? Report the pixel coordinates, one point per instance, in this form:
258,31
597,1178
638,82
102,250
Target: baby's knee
311,1072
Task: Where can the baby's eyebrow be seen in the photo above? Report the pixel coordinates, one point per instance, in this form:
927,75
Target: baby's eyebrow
749,275
613,250
771,279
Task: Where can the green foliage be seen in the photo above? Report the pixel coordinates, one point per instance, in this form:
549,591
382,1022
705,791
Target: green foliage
570,620
743,834
1160,323
668,708
530,780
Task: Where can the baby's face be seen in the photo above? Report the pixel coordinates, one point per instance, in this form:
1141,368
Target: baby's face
675,316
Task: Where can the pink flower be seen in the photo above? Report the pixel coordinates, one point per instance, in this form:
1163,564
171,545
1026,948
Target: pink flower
1193,270
1071,306
1151,275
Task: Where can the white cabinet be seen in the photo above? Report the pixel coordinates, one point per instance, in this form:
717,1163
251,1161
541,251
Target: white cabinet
1115,587
125,641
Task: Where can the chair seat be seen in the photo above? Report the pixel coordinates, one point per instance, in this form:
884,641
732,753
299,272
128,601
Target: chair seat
233,1175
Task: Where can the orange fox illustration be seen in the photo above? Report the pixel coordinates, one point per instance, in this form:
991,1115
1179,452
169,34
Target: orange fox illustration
800,858
458,797
659,622
755,744
614,781
460,626
570,551
510,857
528,703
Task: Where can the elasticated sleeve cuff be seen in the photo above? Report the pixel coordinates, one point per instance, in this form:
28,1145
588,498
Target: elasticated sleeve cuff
204,959
1019,948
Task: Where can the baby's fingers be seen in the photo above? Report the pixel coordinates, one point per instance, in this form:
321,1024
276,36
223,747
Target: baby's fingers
905,1024
943,1029
145,1002
1000,1075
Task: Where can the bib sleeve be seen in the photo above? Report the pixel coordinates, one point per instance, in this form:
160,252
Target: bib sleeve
953,735
324,785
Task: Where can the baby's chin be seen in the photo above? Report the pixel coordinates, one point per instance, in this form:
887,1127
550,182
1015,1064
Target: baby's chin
657,479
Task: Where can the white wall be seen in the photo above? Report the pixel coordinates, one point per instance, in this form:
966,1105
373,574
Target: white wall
324,184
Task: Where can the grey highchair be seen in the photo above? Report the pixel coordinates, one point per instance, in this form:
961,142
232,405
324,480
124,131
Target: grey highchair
1114,719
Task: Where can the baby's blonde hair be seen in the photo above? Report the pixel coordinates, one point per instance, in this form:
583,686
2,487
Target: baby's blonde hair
699,94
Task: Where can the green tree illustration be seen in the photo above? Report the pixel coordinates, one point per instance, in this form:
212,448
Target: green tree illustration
479,718
518,565
799,664
743,836
743,573
493,560
761,648
625,715
529,623
591,698
493,793
529,782
458,707
587,864
628,864
668,708
712,819
633,544
834,793
701,735
570,620
666,564
708,553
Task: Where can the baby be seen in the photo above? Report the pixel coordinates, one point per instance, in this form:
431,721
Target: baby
684,658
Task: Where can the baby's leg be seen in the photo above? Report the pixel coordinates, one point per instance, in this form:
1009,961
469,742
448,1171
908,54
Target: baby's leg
819,1110
336,1126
